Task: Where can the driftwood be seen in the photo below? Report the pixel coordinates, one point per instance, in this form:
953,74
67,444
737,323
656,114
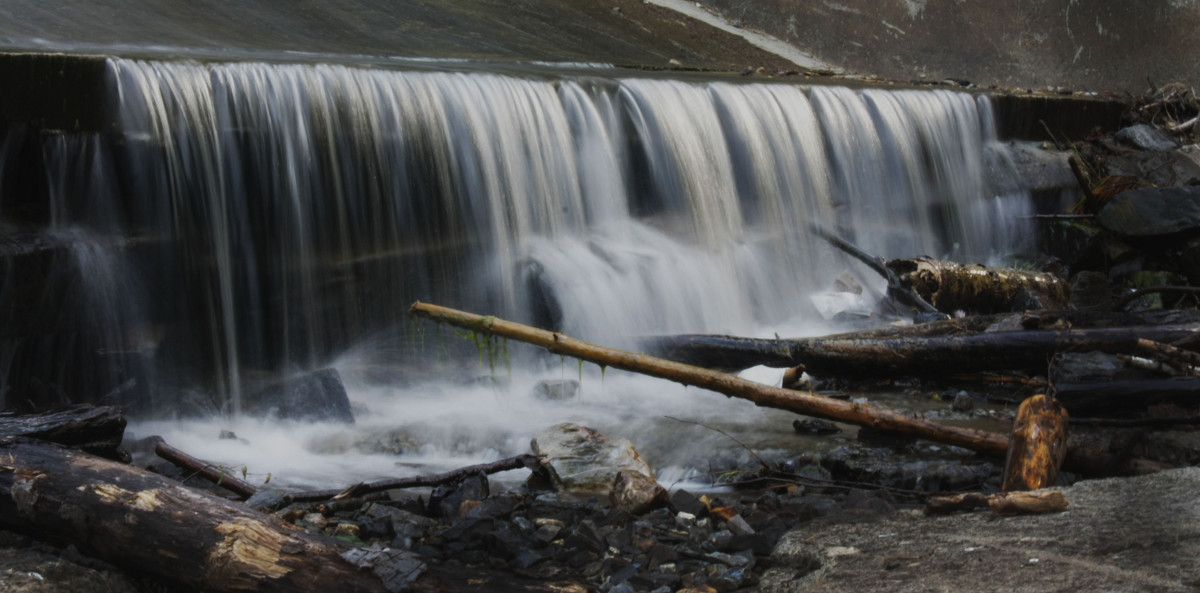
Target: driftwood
951,286
96,429
988,443
529,461
150,525
211,472
1038,445
925,356
1003,503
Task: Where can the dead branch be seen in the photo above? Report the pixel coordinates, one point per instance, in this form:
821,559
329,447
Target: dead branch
96,429
1003,503
213,473
527,460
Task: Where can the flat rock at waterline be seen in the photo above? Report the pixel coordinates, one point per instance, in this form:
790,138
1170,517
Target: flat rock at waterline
1123,534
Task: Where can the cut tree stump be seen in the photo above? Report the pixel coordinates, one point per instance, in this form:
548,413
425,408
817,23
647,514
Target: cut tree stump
1038,444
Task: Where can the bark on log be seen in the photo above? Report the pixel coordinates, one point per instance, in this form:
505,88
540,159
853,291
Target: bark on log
951,286
908,357
147,524
95,429
1109,398
1038,445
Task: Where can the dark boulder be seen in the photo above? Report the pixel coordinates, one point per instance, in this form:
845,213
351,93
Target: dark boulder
1152,211
318,396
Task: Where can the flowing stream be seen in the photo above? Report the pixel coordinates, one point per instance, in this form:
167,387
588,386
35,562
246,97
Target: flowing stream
248,221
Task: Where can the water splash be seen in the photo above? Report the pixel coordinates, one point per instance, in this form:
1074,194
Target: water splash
290,213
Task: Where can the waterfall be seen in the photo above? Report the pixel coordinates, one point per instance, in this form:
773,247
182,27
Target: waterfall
290,213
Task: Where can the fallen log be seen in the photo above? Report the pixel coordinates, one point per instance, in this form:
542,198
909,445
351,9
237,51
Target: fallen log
921,356
951,286
95,429
150,525
1038,445
1101,398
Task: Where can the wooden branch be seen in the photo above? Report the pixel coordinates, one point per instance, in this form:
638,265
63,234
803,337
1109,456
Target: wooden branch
96,429
213,473
527,460
1003,503
896,290
987,443
1186,360
773,397
148,524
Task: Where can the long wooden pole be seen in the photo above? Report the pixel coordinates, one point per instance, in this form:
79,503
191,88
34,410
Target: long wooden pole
860,414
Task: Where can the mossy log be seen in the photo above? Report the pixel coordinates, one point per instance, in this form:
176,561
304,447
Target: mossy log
951,286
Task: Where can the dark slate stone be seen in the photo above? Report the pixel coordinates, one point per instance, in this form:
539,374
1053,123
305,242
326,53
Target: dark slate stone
1146,137
447,500
683,501
815,427
318,396
1152,211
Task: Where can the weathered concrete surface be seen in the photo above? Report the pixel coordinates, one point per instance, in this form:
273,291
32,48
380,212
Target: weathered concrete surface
1095,45
619,32
1126,534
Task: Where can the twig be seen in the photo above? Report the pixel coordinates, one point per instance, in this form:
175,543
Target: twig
1172,355
527,460
1141,292
213,473
763,462
895,289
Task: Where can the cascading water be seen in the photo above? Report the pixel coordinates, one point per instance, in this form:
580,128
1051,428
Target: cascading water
288,214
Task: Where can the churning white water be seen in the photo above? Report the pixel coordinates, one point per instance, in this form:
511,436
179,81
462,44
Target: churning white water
297,210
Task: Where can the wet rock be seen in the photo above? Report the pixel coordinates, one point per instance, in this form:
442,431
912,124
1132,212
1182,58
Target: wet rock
583,461
686,502
1152,211
635,493
556,390
882,466
815,427
449,500
1090,291
318,396
1146,137
963,402
396,569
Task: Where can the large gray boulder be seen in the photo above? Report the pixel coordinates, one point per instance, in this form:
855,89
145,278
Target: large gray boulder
1152,211
1118,535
